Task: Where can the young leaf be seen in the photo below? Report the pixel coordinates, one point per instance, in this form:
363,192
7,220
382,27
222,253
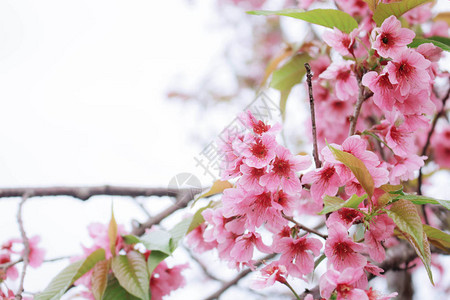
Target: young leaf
291,73
418,199
99,279
438,238
438,43
443,16
357,167
154,259
58,286
326,17
197,219
179,231
284,95
422,251
406,217
335,203
372,4
131,272
385,10
130,239
114,291
218,187
273,64
112,233
160,240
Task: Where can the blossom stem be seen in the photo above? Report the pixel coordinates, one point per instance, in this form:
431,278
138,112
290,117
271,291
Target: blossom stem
292,290
309,76
301,226
26,244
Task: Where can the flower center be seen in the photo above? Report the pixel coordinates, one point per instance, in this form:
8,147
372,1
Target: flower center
259,128
343,289
258,149
281,167
342,249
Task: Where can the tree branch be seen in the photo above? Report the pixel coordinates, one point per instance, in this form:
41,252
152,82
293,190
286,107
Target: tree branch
86,192
362,96
309,76
238,277
301,226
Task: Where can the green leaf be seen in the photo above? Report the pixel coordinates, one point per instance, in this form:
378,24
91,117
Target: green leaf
59,285
197,219
291,73
416,42
438,238
160,240
357,167
418,199
423,252
179,231
130,239
335,203
372,4
406,217
114,291
99,279
131,272
112,233
154,259
385,10
326,17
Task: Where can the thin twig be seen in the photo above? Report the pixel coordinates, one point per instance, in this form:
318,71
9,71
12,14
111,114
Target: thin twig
361,98
309,76
26,250
202,265
238,277
13,263
301,226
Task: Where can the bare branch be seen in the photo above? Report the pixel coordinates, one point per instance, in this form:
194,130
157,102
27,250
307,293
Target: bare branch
26,250
86,192
238,277
301,226
362,96
309,76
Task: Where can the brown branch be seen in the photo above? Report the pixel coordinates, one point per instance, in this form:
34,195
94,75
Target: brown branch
202,265
238,277
26,250
309,76
430,134
182,201
86,192
362,96
301,226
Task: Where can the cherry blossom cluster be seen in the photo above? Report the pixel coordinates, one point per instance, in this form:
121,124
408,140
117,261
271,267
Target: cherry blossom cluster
163,281
269,191
12,253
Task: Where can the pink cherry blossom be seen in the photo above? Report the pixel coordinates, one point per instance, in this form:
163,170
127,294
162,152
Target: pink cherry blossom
346,84
347,284
242,250
258,152
341,42
404,168
164,280
269,275
384,95
441,145
354,7
258,127
250,178
36,256
345,216
282,171
341,250
298,254
408,70
12,272
195,239
375,295
392,38
324,181
418,15
380,229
